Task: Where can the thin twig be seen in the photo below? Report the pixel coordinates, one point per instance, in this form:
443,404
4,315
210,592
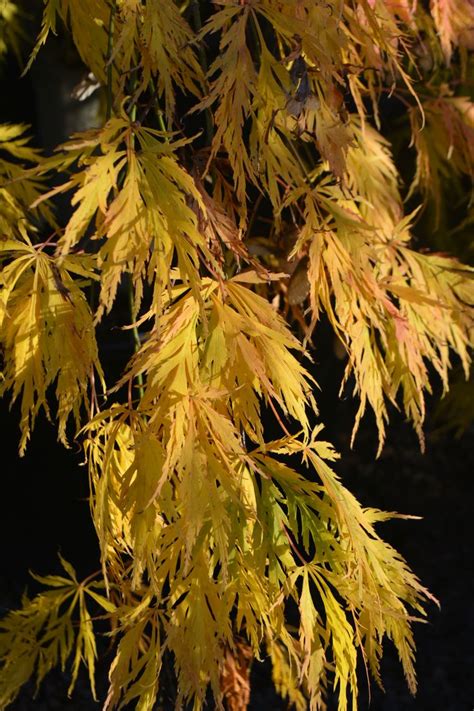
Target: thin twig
110,46
197,21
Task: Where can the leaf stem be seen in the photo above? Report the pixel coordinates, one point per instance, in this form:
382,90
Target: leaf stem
109,63
197,21
135,334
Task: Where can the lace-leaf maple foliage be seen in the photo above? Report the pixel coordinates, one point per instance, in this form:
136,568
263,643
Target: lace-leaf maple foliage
242,184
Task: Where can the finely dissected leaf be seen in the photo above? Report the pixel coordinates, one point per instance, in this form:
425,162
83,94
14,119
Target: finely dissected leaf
233,87
50,11
44,633
19,187
444,148
47,333
384,311
454,20
134,671
87,22
136,215
245,353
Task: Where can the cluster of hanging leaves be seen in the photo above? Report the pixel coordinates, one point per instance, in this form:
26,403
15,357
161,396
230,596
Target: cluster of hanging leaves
242,183
48,629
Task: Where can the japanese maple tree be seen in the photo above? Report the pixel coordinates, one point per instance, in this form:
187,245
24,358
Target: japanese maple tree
240,185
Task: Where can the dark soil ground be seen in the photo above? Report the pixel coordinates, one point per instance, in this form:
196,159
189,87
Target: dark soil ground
44,510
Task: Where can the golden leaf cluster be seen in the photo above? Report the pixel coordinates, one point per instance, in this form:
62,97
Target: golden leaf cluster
242,187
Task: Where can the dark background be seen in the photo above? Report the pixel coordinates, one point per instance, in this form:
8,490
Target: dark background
45,510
